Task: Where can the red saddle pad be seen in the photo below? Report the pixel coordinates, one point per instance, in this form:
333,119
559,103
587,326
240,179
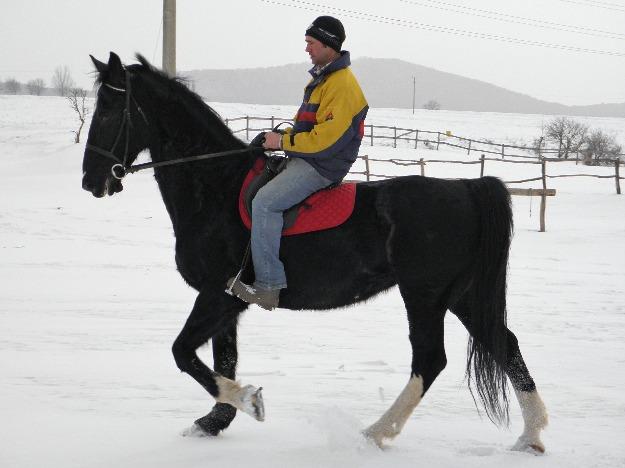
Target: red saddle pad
325,209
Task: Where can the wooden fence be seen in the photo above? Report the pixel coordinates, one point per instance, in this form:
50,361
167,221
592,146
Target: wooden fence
430,139
472,145
543,192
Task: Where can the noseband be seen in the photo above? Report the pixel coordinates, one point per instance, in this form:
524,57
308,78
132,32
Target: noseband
125,125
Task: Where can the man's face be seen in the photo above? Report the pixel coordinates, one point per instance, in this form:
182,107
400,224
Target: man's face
319,53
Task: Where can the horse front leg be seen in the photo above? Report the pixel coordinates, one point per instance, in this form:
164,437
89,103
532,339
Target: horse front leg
225,357
214,316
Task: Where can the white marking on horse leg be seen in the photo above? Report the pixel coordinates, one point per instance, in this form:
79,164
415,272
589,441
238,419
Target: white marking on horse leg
392,422
247,399
535,419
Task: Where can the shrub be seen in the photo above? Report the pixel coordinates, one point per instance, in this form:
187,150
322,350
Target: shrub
600,148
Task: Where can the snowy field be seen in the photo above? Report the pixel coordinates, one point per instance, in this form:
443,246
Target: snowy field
90,303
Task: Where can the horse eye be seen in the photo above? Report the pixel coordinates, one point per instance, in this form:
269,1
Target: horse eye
103,103
106,104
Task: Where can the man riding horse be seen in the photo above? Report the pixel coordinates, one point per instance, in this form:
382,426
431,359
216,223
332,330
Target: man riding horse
321,147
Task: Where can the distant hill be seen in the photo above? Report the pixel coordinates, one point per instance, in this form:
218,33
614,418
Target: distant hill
386,83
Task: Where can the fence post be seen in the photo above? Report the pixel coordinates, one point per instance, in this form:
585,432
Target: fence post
367,167
503,150
371,134
273,124
469,149
482,160
543,198
416,139
617,166
438,141
422,167
394,137
247,127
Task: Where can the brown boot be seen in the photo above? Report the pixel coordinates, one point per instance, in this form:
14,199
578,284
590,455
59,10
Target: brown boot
265,298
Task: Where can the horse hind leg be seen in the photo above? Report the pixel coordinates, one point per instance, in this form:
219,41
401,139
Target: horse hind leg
428,360
393,420
533,409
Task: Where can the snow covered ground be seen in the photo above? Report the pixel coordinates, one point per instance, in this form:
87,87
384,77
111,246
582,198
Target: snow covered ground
90,303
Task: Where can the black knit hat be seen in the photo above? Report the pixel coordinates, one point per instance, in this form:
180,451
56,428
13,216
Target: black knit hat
327,30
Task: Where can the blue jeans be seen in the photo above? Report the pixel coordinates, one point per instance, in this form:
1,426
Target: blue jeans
297,181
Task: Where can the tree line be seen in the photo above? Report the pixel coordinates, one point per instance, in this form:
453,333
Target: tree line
61,84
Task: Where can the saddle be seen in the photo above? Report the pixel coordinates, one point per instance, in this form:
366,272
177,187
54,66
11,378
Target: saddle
325,209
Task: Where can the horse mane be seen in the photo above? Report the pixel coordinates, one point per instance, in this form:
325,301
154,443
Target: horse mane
174,91
194,127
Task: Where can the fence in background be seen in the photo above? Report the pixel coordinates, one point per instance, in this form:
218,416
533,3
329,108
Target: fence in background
440,138
429,139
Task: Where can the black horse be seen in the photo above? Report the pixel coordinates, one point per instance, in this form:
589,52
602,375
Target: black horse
444,243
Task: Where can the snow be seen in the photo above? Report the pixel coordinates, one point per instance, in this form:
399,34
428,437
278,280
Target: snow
90,303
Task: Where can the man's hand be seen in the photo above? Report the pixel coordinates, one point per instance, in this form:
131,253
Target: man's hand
258,140
272,141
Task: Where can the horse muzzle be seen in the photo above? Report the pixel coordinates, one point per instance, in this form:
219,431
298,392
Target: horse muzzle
108,186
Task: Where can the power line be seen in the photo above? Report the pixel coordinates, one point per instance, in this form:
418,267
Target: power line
300,4
604,5
25,71
619,5
503,17
158,37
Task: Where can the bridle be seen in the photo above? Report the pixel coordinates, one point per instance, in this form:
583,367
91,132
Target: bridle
120,169
125,125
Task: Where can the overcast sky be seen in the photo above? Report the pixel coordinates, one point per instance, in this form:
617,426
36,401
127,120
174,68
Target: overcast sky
469,38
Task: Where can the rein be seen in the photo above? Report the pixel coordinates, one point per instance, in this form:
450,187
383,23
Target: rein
120,169
199,157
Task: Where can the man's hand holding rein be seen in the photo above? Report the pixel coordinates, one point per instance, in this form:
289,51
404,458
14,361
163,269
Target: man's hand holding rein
273,141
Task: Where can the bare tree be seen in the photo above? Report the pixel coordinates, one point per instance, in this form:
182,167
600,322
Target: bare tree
76,98
568,134
554,132
537,146
575,137
12,86
36,86
432,104
600,148
62,80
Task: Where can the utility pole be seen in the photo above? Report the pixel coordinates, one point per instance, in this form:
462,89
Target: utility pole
169,37
414,90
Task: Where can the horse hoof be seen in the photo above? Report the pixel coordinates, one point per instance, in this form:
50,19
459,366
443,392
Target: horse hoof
375,435
252,402
374,441
535,447
196,431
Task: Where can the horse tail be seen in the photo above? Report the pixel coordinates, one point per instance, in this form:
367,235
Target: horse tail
485,299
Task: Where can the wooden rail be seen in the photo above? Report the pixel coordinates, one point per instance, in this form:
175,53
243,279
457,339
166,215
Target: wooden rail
377,132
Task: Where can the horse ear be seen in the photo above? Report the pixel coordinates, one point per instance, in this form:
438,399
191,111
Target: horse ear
115,68
100,66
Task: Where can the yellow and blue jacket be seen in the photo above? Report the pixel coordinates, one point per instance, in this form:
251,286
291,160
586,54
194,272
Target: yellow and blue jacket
330,123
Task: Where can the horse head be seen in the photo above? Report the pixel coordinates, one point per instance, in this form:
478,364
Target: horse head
118,132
